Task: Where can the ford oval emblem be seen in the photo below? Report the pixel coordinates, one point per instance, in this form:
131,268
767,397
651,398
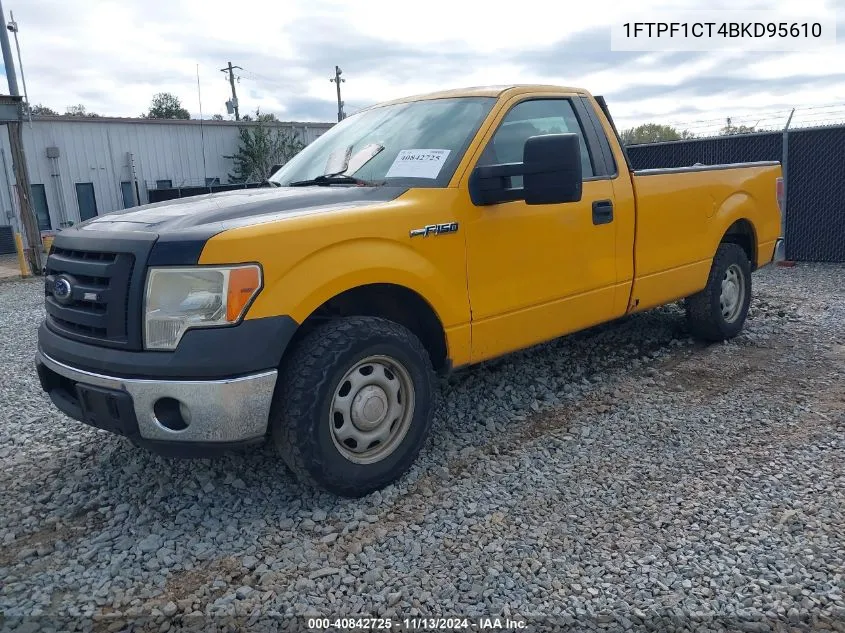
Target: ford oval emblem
62,290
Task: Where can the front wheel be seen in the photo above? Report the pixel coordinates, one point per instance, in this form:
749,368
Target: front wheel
718,312
354,405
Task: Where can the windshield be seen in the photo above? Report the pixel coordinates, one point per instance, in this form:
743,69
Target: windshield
423,143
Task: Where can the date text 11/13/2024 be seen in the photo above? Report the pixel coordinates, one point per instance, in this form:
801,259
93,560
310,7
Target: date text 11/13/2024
417,624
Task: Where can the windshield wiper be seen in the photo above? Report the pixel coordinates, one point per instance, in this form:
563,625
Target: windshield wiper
340,164
270,183
333,179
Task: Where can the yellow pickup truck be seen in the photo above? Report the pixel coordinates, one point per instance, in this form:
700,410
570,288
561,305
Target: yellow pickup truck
414,237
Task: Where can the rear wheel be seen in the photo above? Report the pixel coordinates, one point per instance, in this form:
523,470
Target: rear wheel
718,312
354,405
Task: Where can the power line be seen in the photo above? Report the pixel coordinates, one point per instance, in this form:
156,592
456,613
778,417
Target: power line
249,74
803,117
764,115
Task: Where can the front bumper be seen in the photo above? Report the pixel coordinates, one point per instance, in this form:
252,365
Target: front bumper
163,414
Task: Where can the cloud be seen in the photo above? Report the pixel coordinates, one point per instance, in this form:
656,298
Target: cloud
113,57
731,87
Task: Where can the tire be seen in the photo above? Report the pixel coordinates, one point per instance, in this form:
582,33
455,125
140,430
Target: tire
367,371
713,316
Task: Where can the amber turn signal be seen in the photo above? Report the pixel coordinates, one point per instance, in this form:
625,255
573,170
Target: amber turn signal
244,283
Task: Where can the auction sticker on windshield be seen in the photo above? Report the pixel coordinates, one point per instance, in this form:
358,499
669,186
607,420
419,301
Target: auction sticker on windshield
418,163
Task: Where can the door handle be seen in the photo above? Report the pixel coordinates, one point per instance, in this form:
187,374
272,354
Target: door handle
602,212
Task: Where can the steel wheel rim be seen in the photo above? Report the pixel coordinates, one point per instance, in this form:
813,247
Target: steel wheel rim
732,296
371,409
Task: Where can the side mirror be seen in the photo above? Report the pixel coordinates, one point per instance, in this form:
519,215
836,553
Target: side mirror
550,169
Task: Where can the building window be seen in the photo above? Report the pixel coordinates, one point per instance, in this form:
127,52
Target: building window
164,184
212,182
42,212
86,200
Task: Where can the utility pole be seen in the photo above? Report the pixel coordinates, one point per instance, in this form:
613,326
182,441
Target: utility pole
337,79
13,27
7,57
33,248
32,251
234,102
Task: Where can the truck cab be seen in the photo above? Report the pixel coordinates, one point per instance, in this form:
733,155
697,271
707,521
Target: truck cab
415,237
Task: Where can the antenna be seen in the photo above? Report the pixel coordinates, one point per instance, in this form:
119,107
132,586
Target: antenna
202,128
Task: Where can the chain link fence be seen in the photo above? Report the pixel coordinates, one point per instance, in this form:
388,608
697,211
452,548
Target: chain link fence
815,179
815,197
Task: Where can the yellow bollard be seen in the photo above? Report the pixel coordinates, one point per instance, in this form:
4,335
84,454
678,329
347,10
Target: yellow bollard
21,259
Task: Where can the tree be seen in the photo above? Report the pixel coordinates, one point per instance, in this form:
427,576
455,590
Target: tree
266,118
79,110
653,133
730,129
261,146
166,106
217,117
42,110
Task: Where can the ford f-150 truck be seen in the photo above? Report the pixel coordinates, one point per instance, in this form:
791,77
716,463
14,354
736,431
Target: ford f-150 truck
414,237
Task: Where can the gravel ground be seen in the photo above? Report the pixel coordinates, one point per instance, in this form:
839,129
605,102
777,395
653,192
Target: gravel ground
624,478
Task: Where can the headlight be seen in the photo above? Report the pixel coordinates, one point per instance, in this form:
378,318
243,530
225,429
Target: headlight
178,299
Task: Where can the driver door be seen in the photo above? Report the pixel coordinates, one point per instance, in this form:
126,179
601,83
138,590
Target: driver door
536,272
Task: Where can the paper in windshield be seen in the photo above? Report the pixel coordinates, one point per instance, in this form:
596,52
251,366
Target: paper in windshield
362,156
338,160
418,163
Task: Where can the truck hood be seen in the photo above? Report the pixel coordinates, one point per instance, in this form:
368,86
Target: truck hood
216,212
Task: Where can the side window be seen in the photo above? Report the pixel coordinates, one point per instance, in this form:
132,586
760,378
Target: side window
530,118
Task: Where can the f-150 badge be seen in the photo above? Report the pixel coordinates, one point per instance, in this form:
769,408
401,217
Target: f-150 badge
435,229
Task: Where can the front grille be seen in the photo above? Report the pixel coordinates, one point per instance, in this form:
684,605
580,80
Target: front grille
97,306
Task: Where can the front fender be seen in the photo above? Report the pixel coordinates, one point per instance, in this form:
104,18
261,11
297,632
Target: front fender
341,266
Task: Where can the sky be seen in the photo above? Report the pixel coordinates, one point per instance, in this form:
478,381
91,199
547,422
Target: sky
113,56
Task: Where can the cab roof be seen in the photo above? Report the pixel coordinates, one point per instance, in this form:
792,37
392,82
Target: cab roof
485,91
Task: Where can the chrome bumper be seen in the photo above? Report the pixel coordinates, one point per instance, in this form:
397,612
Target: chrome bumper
228,410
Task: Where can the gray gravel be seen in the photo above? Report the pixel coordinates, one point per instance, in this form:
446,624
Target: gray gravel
624,478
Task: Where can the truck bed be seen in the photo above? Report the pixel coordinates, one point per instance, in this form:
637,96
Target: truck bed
682,215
